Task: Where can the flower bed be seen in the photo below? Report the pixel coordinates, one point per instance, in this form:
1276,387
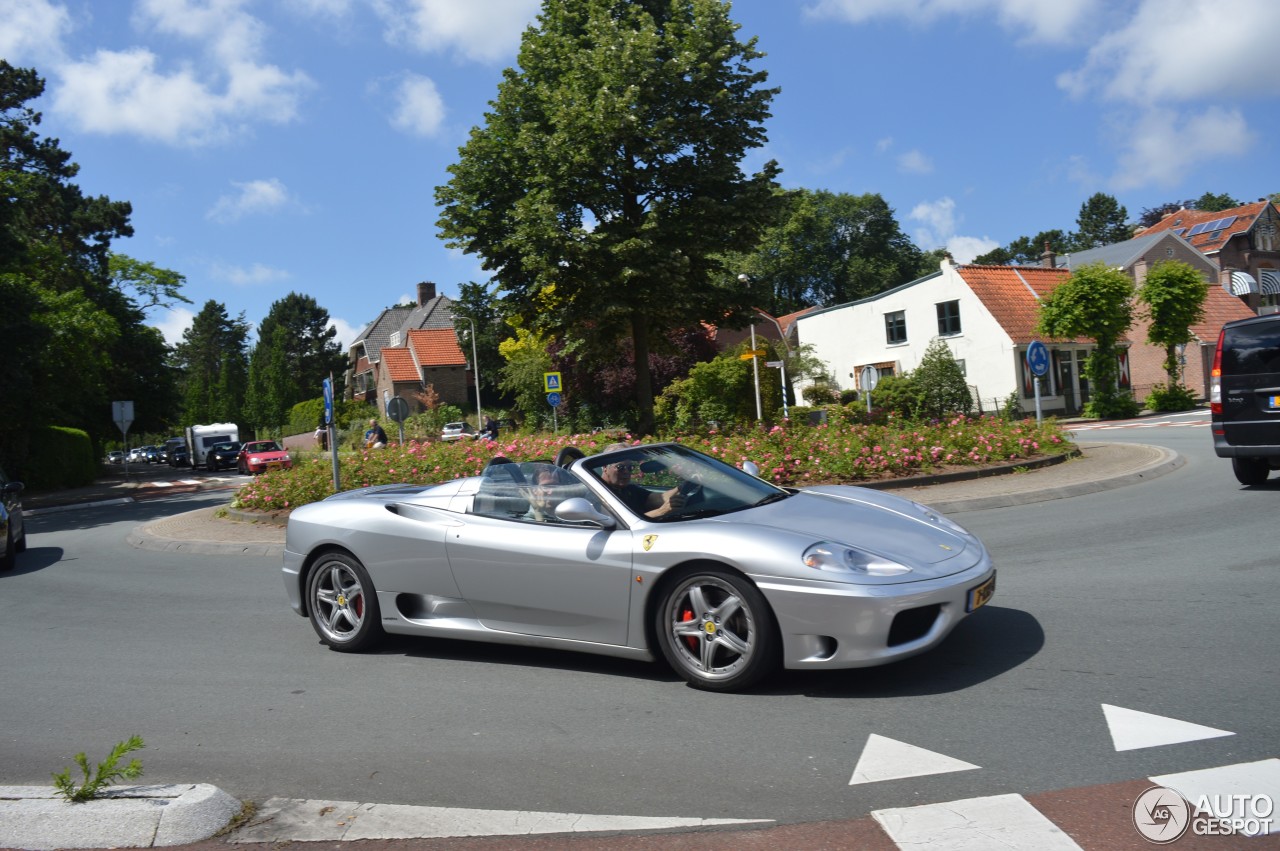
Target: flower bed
787,455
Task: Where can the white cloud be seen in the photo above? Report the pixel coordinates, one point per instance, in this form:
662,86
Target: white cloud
127,92
346,331
419,108
964,248
33,29
914,162
255,275
1203,51
1163,144
173,322
254,196
1038,20
940,222
884,144
480,32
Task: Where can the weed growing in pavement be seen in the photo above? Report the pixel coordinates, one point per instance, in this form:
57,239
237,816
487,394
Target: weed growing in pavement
789,454
106,774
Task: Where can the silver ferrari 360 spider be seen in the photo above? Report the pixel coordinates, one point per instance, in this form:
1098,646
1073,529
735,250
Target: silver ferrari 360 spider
638,552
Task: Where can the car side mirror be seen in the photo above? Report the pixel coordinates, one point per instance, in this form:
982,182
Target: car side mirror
750,468
578,510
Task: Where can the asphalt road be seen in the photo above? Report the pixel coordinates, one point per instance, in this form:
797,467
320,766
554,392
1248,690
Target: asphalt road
1157,598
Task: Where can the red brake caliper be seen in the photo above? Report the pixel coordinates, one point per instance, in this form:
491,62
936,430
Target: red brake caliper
359,606
692,641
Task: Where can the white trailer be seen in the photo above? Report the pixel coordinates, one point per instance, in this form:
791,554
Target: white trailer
201,438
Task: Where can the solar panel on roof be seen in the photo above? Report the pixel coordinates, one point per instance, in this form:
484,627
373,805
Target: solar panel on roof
1223,223
1200,228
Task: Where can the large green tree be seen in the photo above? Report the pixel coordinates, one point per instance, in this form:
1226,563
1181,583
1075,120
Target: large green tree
73,319
606,182
1173,295
212,360
1102,221
476,306
295,352
829,248
1028,250
1096,302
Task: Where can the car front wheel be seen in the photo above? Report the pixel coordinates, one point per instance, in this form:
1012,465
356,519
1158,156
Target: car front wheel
716,630
1251,471
342,604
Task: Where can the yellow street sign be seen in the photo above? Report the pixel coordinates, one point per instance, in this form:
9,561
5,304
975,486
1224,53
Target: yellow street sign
755,353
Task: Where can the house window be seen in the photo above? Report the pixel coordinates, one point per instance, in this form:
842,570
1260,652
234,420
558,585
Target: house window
895,327
948,318
395,339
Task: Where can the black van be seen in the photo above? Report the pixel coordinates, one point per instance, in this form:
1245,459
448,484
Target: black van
1244,397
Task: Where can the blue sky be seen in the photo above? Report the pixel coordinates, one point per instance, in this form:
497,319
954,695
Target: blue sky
295,145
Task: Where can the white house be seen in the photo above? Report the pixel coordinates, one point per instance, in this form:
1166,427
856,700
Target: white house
987,316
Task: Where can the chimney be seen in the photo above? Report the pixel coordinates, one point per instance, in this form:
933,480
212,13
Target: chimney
1049,259
426,292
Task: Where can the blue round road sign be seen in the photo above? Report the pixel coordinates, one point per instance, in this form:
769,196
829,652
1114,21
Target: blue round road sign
1038,358
554,400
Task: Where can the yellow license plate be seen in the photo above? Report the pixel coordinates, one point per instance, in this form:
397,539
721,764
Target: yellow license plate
980,595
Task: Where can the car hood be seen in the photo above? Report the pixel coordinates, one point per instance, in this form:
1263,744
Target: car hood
869,520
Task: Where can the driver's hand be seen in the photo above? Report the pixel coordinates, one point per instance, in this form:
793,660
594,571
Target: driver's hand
671,501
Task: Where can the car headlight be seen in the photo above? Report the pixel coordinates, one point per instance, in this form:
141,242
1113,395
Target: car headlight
838,558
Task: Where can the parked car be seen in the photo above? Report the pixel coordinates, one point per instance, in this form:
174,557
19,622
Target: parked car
222,456
456,431
115,456
257,456
1244,397
14,533
652,551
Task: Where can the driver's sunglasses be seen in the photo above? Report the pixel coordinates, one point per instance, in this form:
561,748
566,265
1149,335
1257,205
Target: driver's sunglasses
624,467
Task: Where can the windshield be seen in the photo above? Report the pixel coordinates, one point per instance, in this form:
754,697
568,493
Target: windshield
671,482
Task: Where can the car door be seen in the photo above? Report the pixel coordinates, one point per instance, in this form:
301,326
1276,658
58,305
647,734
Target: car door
537,578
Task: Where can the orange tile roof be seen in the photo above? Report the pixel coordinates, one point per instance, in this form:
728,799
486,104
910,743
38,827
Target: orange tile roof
400,365
437,347
1209,241
1219,308
1013,294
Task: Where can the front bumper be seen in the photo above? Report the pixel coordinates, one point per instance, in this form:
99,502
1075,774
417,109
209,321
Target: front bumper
839,625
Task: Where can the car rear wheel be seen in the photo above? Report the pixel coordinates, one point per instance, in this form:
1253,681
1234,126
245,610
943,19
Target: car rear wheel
10,552
716,630
1251,471
342,603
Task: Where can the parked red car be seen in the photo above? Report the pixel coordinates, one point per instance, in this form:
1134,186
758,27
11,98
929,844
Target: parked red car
259,455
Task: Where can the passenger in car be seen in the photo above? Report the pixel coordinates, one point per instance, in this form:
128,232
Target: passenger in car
542,495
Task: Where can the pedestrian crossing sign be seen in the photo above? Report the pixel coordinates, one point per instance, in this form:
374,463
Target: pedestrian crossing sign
551,382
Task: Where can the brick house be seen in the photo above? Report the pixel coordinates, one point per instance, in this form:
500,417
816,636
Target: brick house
1244,245
407,347
1135,257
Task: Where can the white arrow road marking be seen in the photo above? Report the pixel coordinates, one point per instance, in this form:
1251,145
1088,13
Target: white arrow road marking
974,824
1131,729
888,759
290,819
1238,788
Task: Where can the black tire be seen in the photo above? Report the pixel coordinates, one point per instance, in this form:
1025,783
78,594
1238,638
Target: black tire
10,552
342,604
716,630
1251,471
21,545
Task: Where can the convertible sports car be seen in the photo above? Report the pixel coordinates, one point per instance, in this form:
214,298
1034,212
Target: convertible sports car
652,550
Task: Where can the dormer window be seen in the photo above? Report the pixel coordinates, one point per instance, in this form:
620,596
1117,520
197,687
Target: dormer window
395,339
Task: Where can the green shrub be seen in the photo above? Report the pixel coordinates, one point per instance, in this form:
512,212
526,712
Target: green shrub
943,388
1176,398
897,394
107,773
60,458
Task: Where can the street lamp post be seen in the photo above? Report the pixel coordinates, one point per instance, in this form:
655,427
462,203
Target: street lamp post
475,369
755,361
